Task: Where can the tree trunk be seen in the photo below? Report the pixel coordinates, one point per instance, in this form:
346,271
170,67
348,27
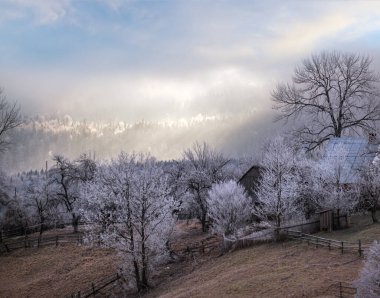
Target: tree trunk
278,225
338,214
137,275
204,222
144,262
373,214
42,220
75,222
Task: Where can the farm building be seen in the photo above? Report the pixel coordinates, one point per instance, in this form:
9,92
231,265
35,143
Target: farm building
250,179
355,152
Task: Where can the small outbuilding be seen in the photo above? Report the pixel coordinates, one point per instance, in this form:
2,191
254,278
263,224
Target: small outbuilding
326,220
251,179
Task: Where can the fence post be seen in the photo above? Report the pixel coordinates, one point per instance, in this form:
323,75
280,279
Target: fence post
340,289
316,245
93,289
342,247
360,248
329,244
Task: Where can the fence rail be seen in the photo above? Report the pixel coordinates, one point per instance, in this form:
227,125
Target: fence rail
343,246
341,290
29,242
97,287
30,229
207,245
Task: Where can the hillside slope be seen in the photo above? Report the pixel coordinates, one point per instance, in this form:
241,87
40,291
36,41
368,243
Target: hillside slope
289,269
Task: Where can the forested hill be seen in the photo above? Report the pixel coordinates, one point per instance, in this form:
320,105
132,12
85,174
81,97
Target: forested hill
39,138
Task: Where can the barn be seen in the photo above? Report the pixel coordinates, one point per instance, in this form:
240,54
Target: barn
358,153
250,179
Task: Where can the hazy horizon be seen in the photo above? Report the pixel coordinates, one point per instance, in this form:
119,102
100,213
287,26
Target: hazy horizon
172,61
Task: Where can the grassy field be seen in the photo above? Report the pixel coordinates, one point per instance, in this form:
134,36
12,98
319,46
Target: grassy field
53,271
361,228
289,269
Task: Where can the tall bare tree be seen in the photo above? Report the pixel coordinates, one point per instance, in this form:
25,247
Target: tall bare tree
10,118
66,183
334,93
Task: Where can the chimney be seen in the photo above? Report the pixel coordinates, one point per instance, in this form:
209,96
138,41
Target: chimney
372,138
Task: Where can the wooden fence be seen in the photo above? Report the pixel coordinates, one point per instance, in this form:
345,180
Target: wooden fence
340,289
343,246
30,229
261,237
29,242
307,227
205,246
98,288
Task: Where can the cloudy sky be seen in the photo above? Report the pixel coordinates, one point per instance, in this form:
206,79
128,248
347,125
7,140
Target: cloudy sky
164,59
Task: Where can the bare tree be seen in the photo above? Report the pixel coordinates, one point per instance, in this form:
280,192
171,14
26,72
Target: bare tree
37,197
66,183
10,118
334,93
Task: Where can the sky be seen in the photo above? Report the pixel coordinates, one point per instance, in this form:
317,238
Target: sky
164,60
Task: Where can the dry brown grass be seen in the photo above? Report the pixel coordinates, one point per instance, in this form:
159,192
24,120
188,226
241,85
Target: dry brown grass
290,269
361,228
53,271
268,270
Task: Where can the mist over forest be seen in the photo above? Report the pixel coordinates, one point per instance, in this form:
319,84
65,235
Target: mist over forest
144,143
40,137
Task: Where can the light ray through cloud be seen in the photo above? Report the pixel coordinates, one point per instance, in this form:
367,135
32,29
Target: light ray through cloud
168,60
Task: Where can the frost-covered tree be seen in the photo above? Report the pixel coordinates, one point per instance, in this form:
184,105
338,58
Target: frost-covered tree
85,168
369,189
37,197
130,203
229,208
204,168
5,196
176,173
65,183
279,187
368,284
14,213
331,182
